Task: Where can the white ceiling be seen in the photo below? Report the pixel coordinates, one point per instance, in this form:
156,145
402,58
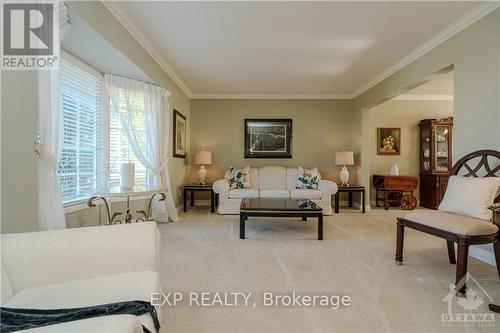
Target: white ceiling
289,49
102,55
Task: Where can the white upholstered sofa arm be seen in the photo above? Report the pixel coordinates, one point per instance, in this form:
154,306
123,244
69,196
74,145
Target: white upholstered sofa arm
221,187
41,258
327,188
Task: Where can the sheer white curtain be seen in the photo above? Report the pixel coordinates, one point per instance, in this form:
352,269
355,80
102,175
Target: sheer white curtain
129,97
50,209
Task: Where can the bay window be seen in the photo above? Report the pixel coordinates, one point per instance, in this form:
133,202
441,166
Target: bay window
94,142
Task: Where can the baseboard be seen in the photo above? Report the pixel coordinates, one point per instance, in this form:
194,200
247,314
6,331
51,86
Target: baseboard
199,203
207,203
357,205
180,208
482,255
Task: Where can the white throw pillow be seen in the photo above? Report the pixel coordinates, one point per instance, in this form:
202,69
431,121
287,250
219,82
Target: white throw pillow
307,179
470,196
239,178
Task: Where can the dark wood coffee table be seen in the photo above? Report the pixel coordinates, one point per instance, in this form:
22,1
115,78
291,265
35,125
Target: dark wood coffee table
280,208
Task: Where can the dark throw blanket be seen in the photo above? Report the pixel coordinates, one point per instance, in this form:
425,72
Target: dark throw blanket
22,319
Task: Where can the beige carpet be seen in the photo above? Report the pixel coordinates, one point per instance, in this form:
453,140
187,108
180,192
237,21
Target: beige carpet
203,253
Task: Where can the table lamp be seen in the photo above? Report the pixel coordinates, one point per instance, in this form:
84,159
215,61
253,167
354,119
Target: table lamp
203,157
344,158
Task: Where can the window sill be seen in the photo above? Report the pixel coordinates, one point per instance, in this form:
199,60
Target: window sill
78,205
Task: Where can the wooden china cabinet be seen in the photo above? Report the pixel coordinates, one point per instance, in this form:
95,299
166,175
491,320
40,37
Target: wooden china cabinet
435,160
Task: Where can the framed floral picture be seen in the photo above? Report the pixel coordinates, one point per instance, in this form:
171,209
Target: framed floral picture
388,141
179,134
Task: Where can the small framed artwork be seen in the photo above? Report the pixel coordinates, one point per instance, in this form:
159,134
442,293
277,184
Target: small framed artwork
388,141
179,134
268,138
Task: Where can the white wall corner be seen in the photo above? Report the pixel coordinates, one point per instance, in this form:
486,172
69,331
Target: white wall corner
482,255
450,31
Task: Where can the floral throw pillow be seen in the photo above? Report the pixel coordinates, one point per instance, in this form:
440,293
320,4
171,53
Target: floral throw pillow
239,178
307,179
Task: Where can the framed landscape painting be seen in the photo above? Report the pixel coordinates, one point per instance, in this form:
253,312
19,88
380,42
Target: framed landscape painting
268,138
179,134
388,141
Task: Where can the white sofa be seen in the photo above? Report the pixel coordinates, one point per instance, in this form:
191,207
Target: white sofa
83,267
272,182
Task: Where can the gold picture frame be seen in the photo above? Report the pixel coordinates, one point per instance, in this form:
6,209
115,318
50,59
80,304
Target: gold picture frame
388,141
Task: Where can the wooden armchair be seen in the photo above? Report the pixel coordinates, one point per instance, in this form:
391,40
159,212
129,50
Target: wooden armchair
463,230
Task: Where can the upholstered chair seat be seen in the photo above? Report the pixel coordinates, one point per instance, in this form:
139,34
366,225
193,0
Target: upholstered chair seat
458,224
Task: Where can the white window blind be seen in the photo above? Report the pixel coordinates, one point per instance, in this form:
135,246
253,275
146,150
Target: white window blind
81,107
120,150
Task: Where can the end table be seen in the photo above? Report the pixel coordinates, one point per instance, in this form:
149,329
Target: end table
202,188
350,189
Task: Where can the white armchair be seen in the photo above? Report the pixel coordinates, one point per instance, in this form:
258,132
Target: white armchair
83,267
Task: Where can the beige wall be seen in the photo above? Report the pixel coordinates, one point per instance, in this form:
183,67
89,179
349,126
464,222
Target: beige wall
474,54
405,115
320,127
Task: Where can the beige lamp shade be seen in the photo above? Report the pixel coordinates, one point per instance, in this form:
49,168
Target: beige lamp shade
344,158
203,157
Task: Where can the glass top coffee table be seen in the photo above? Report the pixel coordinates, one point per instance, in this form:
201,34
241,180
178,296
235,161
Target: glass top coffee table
280,208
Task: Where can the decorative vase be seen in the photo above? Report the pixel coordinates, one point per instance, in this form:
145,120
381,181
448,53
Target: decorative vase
127,173
344,176
394,169
202,174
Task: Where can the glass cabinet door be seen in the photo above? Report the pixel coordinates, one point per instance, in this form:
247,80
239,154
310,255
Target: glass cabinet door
441,144
425,133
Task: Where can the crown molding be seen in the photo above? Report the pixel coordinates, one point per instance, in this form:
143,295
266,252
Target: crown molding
438,39
423,98
150,49
268,96
450,31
